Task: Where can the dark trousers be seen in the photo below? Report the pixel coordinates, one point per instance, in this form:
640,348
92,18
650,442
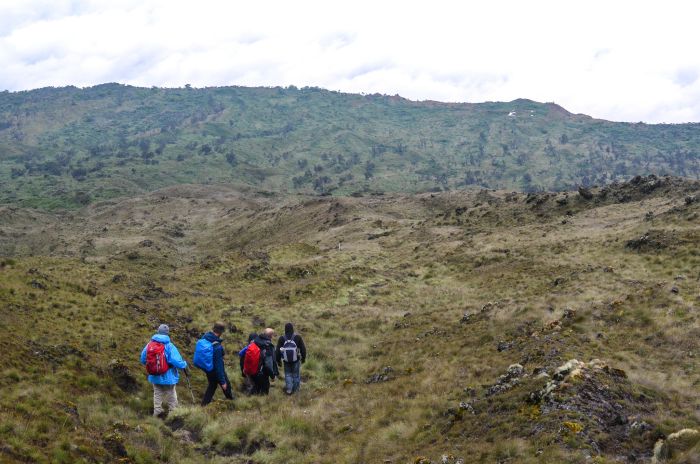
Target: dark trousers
261,384
213,385
247,386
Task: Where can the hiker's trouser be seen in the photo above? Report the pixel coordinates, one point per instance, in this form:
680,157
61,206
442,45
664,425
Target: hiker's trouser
163,393
213,385
248,384
292,376
261,384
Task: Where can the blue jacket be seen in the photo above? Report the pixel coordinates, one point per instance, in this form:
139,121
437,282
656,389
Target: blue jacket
174,359
241,356
218,356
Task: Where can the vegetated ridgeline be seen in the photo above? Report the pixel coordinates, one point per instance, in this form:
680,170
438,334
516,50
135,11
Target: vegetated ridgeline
67,147
480,326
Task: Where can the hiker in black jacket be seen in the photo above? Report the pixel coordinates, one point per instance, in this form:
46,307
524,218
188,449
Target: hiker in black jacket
291,350
268,371
217,377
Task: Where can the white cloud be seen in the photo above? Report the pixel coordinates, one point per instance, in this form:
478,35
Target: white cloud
620,60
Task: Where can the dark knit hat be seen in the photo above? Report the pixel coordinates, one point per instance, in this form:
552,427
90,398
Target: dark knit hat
288,328
163,329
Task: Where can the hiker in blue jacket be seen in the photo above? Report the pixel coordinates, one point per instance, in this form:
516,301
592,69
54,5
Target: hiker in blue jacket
164,384
217,376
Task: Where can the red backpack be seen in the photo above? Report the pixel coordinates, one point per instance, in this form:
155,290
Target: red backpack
251,363
156,364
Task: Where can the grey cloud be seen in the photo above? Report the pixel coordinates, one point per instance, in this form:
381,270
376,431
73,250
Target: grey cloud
338,40
686,77
13,16
250,39
601,52
472,79
367,68
134,65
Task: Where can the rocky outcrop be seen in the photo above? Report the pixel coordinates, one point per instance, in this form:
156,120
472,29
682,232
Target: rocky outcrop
508,380
653,240
383,376
605,406
678,445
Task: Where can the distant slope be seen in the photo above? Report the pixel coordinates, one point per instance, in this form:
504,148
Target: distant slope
65,147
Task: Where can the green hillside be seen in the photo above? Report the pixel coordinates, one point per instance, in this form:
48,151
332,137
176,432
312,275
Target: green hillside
66,147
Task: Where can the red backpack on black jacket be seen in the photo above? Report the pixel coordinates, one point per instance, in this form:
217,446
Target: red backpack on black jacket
252,364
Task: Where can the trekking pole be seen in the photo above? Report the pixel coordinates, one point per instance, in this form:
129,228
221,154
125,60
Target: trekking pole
187,377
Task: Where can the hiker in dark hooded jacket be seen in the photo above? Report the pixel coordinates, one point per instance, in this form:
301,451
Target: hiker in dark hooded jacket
261,382
217,376
291,350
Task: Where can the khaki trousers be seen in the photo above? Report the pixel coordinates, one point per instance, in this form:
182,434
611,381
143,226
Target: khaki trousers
164,393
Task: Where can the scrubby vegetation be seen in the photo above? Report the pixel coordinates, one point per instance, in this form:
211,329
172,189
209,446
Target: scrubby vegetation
68,147
441,327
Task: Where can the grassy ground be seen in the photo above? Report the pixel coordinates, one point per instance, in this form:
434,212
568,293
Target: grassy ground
412,308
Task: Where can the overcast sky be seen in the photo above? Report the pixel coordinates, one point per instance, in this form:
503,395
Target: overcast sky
618,60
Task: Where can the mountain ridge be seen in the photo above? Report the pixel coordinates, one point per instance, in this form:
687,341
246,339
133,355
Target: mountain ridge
66,147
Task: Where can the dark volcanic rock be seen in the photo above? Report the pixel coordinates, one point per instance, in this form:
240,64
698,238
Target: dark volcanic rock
382,376
122,376
585,193
508,380
114,443
504,346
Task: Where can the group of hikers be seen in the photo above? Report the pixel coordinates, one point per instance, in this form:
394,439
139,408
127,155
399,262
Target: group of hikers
259,362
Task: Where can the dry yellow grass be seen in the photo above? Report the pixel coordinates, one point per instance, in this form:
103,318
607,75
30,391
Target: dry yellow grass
427,300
